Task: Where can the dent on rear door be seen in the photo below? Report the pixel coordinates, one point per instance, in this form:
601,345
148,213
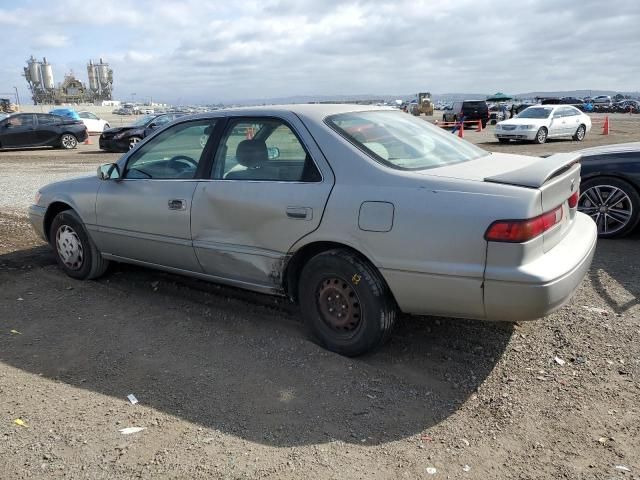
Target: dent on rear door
242,229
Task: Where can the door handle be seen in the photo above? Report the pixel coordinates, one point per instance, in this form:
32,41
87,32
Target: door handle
300,213
177,204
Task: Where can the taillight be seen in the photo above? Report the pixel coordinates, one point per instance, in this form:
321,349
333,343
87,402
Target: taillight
573,199
518,231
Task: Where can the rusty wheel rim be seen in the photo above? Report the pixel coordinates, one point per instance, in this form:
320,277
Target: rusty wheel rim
339,305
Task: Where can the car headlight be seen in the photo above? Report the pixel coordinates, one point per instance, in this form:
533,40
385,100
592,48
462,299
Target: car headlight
498,126
527,127
37,198
118,136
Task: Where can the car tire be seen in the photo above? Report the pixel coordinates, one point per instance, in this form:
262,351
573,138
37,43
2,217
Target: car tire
580,133
484,123
541,135
592,190
339,282
68,141
133,141
75,252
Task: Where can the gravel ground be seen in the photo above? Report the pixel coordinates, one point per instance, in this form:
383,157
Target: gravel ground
229,387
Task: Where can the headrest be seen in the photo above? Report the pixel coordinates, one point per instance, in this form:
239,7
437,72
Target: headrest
252,153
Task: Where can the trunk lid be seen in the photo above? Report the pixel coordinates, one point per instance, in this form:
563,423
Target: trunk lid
557,177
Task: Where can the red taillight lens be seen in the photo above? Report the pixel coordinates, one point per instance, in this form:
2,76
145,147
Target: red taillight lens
518,231
573,199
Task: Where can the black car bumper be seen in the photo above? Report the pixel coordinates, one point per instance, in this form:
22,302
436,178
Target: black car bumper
114,145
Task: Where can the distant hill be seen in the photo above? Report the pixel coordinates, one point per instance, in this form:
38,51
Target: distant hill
436,97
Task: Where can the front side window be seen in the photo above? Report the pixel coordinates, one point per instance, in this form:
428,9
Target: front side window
403,142
263,149
21,121
173,154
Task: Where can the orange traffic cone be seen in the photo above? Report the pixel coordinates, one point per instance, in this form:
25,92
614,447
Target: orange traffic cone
461,131
88,140
605,127
479,126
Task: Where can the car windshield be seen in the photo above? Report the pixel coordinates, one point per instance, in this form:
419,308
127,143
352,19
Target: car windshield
534,112
142,121
403,142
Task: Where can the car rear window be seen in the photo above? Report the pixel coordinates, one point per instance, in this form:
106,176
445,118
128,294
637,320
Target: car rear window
478,104
402,141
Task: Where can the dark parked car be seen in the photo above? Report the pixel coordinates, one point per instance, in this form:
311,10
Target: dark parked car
123,139
41,130
610,189
470,109
627,106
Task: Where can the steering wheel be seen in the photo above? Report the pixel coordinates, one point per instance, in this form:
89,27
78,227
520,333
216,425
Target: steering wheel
174,161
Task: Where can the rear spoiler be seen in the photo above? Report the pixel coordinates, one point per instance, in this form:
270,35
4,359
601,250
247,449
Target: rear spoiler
538,173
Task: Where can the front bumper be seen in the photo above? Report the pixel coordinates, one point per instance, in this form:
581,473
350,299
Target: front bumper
113,145
36,217
516,134
538,288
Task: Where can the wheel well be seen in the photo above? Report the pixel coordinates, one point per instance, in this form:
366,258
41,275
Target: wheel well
302,256
596,176
54,209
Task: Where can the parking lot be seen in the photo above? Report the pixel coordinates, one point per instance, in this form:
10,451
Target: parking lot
229,386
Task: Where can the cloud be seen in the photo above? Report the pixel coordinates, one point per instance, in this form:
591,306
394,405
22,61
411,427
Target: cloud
50,40
261,48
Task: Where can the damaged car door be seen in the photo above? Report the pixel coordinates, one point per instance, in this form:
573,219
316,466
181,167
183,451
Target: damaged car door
268,188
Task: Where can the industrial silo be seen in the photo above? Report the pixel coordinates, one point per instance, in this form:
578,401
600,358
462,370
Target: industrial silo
47,75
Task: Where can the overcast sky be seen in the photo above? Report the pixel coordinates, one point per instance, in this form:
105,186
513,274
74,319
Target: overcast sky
206,51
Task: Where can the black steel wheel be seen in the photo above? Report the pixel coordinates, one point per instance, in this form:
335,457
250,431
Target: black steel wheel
346,304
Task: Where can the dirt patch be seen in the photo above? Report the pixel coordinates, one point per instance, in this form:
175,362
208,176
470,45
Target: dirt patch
229,387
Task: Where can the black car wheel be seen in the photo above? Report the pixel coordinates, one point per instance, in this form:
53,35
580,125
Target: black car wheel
346,305
580,133
612,203
68,141
541,136
75,252
133,141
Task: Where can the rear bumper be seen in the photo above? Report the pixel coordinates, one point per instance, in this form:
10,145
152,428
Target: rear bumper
546,284
36,217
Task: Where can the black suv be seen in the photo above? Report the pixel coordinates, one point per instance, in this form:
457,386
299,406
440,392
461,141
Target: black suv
470,110
123,139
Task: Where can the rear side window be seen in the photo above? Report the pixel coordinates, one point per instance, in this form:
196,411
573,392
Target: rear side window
48,119
475,105
263,149
401,141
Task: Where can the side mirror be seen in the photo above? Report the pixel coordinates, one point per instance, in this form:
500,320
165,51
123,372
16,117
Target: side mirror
273,153
152,125
109,171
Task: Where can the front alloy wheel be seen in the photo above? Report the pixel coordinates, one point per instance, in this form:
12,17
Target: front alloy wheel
133,141
613,204
541,136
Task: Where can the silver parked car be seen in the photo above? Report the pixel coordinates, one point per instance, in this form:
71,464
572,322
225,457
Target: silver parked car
355,212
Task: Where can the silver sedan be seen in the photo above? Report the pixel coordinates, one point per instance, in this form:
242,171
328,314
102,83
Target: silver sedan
357,213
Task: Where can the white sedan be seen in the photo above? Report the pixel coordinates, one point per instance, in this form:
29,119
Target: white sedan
93,123
540,122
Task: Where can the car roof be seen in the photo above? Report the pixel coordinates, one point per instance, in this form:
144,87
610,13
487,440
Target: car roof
316,111
607,149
